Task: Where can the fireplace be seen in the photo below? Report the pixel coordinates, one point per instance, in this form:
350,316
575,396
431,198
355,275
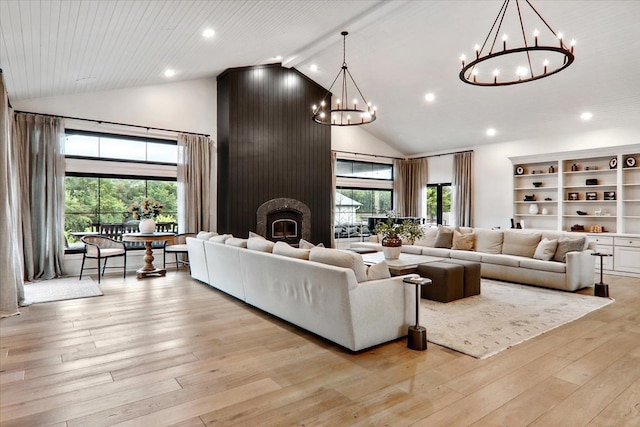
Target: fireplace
284,220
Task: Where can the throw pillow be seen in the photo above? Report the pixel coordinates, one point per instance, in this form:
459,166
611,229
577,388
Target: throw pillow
444,237
378,271
284,249
489,241
303,244
252,234
429,238
260,244
345,259
546,249
566,245
236,241
220,238
206,235
520,243
462,241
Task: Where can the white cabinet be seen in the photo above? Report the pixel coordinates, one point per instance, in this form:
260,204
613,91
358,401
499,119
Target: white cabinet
627,254
604,244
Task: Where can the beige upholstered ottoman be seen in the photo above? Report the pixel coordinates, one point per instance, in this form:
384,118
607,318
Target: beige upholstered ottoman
447,281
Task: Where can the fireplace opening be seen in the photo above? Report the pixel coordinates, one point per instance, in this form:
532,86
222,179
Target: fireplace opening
283,225
284,220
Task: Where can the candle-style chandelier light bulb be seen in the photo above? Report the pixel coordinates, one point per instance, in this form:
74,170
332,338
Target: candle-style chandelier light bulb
342,113
535,68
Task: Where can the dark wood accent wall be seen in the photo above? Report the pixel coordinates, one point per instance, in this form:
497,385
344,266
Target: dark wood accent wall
268,147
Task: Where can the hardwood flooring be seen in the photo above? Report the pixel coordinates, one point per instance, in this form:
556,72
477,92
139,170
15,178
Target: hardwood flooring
174,352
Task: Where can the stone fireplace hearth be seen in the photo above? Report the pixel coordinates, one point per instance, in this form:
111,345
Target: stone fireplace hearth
284,220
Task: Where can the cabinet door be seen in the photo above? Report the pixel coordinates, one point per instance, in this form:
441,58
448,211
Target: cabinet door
627,259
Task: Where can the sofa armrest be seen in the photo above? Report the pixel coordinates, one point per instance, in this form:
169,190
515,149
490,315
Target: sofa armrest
581,269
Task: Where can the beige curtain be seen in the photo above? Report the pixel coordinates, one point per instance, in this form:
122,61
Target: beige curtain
334,160
410,180
194,183
462,169
38,144
11,286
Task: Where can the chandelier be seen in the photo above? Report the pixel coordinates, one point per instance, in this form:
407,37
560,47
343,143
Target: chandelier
346,111
542,55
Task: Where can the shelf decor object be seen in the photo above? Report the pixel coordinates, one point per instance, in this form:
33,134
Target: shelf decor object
530,60
346,111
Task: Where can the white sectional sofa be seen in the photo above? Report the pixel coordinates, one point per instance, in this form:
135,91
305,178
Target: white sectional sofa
336,302
512,255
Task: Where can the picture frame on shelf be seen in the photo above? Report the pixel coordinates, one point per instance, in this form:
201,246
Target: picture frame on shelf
630,162
592,195
609,195
573,196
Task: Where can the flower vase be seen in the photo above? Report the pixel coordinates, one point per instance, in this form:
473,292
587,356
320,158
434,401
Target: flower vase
147,226
391,247
533,209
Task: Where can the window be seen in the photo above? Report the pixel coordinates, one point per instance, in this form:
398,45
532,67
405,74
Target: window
107,173
438,204
364,189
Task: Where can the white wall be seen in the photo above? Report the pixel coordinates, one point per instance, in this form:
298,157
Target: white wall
493,171
355,139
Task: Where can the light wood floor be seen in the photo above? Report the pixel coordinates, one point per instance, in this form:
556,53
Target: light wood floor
172,351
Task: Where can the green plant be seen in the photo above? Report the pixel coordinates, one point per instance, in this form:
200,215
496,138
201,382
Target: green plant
411,230
408,229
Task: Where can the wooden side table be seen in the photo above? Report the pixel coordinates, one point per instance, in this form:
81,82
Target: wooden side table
601,289
148,269
417,335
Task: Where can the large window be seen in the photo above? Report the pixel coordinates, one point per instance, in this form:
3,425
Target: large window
438,204
106,174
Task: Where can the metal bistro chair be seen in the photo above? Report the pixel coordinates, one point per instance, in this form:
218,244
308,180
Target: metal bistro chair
101,247
177,246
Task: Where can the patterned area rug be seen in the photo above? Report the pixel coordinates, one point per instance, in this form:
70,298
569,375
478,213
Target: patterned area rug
505,314
60,289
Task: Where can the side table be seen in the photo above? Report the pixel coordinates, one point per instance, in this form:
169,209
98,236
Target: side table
417,335
601,289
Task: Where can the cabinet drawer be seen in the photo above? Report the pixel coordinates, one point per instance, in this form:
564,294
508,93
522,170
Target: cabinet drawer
633,242
601,240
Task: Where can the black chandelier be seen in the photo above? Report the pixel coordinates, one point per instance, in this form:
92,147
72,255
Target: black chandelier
346,112
535,63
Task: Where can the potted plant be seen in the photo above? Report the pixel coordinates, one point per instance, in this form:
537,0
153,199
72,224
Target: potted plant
146,211
392,234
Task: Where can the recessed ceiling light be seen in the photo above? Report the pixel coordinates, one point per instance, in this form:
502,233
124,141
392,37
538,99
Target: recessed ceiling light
313,67
169,72
430,97
278,58
586,116
491,132
208,33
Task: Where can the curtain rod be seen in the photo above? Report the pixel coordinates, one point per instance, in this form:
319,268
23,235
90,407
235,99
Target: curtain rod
369,155
442,154
113,123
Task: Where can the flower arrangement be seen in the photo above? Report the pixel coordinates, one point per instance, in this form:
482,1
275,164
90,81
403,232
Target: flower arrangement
410,230
147,208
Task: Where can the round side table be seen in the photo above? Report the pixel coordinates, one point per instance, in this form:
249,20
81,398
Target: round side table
601,289
417,335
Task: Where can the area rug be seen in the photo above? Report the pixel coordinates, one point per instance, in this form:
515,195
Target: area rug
505,314
60,289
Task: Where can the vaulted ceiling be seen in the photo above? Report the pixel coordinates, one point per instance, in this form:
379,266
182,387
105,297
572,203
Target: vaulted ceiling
398,51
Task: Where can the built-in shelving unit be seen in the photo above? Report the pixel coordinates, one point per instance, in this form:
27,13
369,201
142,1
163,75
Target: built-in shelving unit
596,191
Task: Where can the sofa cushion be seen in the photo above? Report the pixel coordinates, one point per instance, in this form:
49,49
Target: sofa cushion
340,258
444,237
489,241
508,260
252,234
566,244
412,249
440,252
259,243
206,235
429,238
466,255
284,249
378,271
536,264
521,243
303,244
463,241
546,249
220,238
236,241
551,235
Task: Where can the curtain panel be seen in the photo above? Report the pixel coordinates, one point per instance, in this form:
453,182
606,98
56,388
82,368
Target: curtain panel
11,286
409,182
462,170
38,152
332,197
194,183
